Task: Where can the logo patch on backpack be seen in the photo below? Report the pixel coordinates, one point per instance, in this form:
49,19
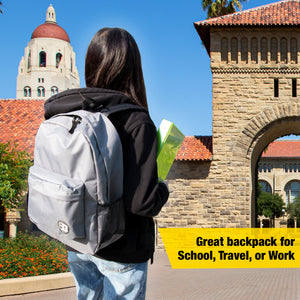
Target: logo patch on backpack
63,227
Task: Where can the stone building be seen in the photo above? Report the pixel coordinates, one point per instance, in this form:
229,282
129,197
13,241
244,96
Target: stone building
255,72
48,66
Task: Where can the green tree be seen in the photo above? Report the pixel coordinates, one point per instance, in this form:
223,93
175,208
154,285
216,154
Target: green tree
216,8
0,8
14,166
293,209
269,205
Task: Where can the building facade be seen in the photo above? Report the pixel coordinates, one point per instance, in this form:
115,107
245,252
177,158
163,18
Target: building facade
255,65
48,65
279,169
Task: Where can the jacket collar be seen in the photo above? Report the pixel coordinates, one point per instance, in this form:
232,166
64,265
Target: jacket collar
73,99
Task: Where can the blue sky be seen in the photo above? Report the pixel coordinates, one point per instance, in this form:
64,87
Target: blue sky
175,63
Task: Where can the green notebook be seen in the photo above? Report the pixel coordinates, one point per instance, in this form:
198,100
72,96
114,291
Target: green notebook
169,139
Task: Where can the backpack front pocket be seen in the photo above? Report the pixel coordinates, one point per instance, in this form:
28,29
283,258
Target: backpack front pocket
56,203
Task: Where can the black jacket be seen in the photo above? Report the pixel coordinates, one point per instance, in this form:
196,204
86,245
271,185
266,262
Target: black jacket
143,195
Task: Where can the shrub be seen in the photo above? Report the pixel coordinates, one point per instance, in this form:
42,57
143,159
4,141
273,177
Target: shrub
14,165
29,255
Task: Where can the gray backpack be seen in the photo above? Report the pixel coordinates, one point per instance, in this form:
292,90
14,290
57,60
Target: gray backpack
76,182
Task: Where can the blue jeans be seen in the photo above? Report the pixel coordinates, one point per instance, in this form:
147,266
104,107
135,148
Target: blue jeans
96,278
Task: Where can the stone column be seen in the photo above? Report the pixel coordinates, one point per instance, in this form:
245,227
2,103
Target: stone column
13,217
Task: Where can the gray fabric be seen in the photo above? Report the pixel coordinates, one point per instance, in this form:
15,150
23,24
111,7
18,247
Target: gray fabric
76,183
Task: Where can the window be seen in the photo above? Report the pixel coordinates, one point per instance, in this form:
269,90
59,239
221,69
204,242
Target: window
42,59
27,91
54,90
41,91
71,65
265,186
58,59
292,191
294,87
224,50
276,87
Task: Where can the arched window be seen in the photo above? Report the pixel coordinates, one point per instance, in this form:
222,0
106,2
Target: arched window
234,50
42,59
27,91
294,50
244,50
283,50
292,191
54,90
264,50
71,65
254,50
58,59
224,50
41,91
274,50
265,186
29,60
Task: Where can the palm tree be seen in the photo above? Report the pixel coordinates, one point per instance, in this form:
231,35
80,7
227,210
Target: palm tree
216,8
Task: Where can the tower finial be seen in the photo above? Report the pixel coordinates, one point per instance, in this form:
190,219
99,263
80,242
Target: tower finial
50,15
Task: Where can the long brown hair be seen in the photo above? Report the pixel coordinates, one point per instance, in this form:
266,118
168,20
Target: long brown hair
113,61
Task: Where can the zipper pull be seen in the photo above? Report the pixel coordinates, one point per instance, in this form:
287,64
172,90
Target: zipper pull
75,121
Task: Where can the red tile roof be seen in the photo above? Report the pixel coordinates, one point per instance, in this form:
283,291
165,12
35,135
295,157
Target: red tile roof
20,120
282,13
195,148
284,148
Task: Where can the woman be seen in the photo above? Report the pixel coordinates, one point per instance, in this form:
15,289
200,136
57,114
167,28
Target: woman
113,75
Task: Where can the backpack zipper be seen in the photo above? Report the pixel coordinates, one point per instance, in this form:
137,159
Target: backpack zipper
75,122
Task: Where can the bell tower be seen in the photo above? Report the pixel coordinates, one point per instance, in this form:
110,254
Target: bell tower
48,66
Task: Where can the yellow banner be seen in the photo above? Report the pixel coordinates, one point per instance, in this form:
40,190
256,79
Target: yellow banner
195,248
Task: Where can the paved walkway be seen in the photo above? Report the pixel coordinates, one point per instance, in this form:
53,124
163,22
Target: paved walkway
164,283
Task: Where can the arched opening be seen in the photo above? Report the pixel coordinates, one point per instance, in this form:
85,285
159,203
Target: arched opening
27,91
42,62
234,50
294,50
265,186
54,90
292,191
41,91
276,166
244,50
224,50
264,50
58,59
254,50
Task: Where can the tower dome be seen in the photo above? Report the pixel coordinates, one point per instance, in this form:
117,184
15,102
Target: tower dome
50,29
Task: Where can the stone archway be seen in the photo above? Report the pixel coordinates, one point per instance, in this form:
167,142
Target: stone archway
270,124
